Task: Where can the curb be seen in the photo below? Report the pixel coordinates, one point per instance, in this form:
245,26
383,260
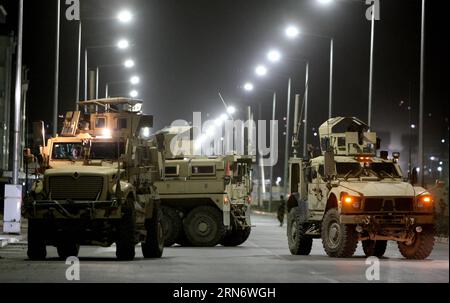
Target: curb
443,240
7,239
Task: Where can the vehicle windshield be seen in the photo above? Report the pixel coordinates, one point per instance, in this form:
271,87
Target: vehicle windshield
74,151
356,170
239,171
106,150
67,151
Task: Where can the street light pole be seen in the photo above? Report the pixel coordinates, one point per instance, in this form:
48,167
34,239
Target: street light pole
77,98
372,35
330,106
274,105
85,74
422,88
18,99
55,101
97,76
305,126
286,149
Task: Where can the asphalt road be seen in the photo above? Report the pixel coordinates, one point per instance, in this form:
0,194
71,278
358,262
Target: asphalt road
263,258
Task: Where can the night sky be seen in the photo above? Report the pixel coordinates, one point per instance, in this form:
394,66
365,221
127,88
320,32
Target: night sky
188,51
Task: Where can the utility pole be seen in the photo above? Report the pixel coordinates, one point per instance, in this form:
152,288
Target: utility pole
286,150
274,106
13,192
55,100
422,89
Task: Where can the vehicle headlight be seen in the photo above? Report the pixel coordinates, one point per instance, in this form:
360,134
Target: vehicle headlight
350,201
425,200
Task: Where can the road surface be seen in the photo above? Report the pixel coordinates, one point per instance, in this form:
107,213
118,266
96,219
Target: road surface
263,258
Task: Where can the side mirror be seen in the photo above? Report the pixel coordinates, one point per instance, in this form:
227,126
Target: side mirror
413,177
330,164
308,174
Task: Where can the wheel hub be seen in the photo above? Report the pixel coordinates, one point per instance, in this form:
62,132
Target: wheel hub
203,227
334,234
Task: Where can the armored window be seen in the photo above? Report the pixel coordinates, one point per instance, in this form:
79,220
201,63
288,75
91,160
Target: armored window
100,122
122,123
203,170
171,171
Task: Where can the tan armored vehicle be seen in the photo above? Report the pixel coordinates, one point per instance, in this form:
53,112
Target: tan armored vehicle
349,194
97,185
206,200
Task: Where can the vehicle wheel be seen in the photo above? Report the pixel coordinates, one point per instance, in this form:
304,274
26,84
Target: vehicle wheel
67,249
153,246
36,243
339,240
374,248
172,225
236,236
421,247
126,233
204,227
299,243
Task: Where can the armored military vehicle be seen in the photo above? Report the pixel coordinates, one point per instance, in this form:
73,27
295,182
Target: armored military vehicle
205,200
98,184
349,194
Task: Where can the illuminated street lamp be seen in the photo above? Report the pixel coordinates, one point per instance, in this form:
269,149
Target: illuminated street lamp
292,32
261,70
123,44
134,94
274,56
325,2
248,87
135,80
129,63
124,16
231,110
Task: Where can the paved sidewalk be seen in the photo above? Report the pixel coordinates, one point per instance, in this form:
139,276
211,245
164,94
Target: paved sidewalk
6,239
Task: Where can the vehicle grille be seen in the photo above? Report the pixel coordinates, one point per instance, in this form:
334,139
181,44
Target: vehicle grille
404,204
373,204
84,188
397,204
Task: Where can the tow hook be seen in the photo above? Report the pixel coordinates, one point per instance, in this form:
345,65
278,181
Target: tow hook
366,220
359,229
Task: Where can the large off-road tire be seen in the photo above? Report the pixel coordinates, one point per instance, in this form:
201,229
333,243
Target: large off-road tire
172,225
204,226
299,243
374,248
153,246
339,240
125,244
67,248
236,236
421,247
36,243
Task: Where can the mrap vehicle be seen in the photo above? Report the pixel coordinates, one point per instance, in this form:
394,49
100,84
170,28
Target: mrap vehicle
97,184
350,194
205,200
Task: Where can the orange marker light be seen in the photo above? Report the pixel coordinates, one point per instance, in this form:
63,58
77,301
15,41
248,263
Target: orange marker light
348,199
426,199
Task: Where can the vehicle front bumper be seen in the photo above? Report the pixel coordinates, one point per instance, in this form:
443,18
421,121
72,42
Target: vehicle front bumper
51,209
381,219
